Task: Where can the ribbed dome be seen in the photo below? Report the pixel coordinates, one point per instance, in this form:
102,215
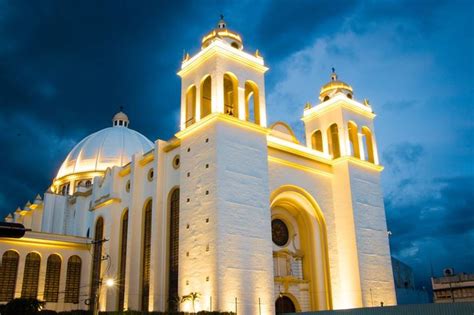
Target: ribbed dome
113,146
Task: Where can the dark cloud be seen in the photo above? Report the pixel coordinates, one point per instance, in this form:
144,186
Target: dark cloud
288,26
400,155
435,227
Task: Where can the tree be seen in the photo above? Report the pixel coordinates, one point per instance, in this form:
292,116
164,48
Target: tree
193,297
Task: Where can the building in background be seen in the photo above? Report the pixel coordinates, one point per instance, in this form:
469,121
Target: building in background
240,214
453,287
405,287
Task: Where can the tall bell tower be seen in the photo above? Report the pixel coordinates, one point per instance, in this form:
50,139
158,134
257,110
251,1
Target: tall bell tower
225,249
222,78
343,128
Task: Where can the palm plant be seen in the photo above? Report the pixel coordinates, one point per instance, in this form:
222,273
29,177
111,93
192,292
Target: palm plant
193,297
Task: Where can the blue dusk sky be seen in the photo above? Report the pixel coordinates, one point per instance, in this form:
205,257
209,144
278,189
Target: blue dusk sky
67,66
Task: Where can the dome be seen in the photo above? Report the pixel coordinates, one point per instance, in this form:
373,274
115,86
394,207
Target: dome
334,86
222,32
113,146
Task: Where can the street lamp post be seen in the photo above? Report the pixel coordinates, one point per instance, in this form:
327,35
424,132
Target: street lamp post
109,283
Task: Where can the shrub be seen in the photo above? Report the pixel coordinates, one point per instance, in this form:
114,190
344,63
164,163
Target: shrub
23,306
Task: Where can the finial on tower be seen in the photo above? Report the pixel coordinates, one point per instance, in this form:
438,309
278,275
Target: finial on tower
333,74
221,24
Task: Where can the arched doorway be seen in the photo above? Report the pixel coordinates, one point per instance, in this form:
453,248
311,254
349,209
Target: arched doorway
284,305
300,253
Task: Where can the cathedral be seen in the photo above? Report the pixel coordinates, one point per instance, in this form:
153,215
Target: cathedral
231,214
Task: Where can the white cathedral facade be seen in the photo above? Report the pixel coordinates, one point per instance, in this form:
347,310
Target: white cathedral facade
233,213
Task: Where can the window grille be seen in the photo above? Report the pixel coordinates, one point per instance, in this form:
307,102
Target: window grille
51,284
73,280
146,257
8,274
174,245
31,276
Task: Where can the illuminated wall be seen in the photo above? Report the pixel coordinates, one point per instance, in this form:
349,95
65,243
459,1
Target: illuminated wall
225,251
46,244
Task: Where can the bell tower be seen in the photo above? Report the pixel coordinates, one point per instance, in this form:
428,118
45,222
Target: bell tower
339,125
225,247
222,78
343,128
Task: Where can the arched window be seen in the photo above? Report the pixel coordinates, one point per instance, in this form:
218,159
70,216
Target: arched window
252,106
96,261
190,105
326,98
333,141
369,144
88,183
122,261
8,273
231,95
174,248
51,284
353,139
317,140
31,276
73,280
206,96
146,256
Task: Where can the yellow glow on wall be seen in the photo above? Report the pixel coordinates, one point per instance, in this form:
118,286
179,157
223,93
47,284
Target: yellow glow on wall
359,162
106,203
220,117
147,158
125,171
45,243
297,149
336,101
223,50
298,166
77,176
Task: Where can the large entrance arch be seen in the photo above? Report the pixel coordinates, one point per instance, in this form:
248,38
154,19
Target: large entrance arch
300,248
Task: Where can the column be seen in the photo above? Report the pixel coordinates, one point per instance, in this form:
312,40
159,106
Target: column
241,104
197,113
217,102
42,276
360,138
19,275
